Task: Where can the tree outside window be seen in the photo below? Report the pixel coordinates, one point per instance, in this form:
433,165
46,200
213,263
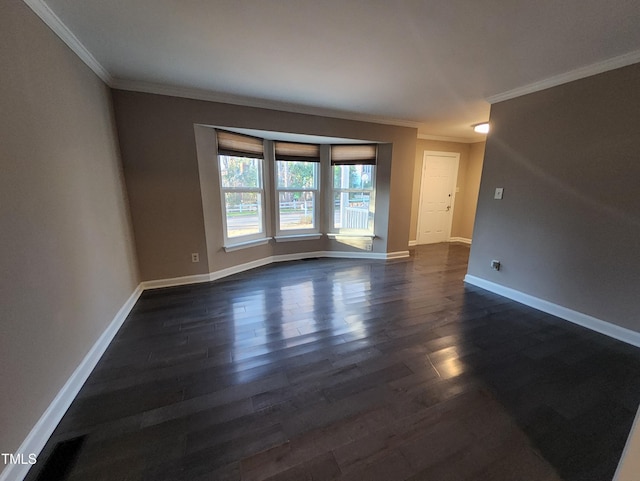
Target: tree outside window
297,189
353,198
243,195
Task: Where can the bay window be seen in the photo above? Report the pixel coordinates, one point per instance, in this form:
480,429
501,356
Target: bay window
288,193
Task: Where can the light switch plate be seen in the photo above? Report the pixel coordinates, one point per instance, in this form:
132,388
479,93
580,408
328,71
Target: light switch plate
498,194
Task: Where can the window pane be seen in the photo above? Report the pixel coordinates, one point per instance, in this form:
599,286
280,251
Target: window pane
240,171
352,211
244,213
353,177
296,174
297,210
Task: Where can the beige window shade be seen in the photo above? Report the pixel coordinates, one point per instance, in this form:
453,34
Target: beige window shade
294,151
354,154
230,143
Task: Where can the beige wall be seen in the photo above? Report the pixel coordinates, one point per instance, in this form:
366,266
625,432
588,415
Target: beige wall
568,228
468,183
158,143
629,465
466,209
67,263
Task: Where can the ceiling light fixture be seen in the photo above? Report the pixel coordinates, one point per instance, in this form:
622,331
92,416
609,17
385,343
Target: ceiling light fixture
481,128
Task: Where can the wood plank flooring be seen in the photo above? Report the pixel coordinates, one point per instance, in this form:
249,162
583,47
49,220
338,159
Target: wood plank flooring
332,369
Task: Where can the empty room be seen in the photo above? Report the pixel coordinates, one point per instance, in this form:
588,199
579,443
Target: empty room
297,240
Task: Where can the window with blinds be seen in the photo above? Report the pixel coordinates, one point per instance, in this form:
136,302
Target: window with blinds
297,173
292,180
365,154
353,196
240,162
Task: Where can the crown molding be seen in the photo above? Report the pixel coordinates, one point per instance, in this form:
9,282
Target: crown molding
441,138
577,74
212,96
43,11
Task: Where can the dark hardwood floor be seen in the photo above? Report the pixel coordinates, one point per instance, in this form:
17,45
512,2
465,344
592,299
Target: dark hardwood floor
340,369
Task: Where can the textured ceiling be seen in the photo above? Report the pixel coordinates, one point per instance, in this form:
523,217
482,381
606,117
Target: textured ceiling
432,63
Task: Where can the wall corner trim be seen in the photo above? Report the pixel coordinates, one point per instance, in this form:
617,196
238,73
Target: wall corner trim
43,429
413,243
603,327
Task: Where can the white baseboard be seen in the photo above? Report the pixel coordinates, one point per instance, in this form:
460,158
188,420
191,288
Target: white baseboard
229,271
363,255
603,327
174,281
397,255
43,429
463,240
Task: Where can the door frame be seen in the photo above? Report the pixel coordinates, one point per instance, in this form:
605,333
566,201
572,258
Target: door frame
455,156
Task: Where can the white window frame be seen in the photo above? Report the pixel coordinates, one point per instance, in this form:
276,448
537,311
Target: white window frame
369,232
249,239
283,233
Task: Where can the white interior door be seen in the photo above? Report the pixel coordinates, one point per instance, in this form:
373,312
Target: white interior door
437,194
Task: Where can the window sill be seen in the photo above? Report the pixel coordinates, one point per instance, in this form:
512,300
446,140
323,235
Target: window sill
351,236
247,244
297,237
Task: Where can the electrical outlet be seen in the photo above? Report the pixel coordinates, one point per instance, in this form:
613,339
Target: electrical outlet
195,257
495,265
498,193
